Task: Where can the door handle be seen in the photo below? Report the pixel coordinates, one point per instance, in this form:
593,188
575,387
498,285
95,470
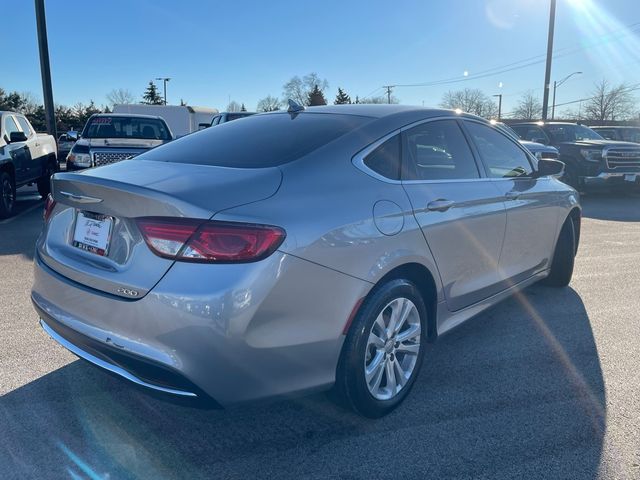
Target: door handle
512,195
440,205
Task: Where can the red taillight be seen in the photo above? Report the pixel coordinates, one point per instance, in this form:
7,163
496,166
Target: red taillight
209,241
49,203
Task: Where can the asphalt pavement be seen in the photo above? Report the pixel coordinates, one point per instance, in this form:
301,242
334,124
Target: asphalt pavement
544,385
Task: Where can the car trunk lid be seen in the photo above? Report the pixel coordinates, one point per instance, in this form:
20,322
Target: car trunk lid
115,195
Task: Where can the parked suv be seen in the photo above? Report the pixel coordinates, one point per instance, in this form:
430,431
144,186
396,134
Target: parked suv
26,157
540,150
591,161
110,138
626,134
224,117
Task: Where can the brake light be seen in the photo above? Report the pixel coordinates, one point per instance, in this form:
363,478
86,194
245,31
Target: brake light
203,241
49,204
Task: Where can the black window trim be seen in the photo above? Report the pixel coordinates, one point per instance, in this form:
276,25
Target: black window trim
533,162
359,157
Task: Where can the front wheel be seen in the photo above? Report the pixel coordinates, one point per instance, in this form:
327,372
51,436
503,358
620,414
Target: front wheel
563,258
7,195
383,350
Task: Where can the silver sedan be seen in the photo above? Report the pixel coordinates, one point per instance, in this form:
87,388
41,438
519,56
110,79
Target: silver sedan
314,248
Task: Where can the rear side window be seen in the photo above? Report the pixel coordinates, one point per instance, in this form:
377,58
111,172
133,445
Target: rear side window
438,151
258,141
385,160
502,157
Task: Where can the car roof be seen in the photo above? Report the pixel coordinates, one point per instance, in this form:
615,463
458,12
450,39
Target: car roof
379,111
132,115
614,126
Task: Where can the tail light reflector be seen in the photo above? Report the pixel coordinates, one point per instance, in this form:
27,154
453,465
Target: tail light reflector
191,240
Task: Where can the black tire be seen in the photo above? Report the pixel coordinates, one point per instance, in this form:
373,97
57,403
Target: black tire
7,194
351,385
563,257
44,182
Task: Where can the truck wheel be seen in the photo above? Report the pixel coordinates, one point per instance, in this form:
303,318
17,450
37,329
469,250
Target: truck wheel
7,194
44,182
563,257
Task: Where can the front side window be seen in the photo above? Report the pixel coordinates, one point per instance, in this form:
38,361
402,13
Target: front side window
531,133
571,133
437,151
25,126
10,126
385,159
501,156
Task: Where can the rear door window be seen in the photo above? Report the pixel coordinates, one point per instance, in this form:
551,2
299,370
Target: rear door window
500,154
264,140
437,151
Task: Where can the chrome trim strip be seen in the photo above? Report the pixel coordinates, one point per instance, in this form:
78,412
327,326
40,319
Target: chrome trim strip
80,198
108,366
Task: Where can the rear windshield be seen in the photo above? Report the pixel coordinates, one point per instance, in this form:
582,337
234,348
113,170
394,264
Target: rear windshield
257,141
126,127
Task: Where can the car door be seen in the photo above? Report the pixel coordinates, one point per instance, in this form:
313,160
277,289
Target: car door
19,151
531,203
36,161
461,213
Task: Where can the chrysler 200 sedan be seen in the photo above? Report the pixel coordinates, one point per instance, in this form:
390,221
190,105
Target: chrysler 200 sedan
313,248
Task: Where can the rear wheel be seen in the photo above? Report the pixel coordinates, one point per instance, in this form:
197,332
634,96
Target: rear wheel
7,194
563,257
44,182
383,350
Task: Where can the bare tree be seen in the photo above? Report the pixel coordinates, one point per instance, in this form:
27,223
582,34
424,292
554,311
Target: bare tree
377,100
234,106
298,89
609,103
269,104
470,100
120,96
529,107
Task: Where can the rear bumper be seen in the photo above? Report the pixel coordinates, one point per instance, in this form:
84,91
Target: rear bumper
230,333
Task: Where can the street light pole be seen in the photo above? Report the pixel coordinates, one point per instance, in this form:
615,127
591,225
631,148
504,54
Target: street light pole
45,68
499,95
547,73
555,86
164,86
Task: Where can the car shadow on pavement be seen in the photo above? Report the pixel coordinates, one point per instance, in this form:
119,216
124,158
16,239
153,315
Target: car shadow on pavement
611,206
515,393
18,235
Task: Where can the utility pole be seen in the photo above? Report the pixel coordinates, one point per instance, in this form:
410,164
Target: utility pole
547,73
164,86
499,95
45,68
388,87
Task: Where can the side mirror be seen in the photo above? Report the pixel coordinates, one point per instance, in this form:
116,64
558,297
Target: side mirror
17,137
548,167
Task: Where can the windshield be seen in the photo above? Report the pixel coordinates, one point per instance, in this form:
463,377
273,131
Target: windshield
126,127
572,133
258,141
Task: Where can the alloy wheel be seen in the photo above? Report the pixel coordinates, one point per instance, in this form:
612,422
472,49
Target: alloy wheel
392,348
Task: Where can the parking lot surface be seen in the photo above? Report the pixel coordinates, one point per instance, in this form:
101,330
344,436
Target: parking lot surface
545,385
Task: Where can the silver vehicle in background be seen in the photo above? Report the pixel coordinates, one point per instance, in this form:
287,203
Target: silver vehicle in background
298,250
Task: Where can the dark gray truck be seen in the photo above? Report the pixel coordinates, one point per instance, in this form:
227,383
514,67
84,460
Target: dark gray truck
591,161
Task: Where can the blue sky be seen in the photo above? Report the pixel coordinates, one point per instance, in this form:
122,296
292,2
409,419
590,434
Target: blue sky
245,50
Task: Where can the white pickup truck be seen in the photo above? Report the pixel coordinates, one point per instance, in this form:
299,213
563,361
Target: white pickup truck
26,157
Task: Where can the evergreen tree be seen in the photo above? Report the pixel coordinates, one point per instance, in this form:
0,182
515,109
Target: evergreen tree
243,108
316,97
151,95
342,98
